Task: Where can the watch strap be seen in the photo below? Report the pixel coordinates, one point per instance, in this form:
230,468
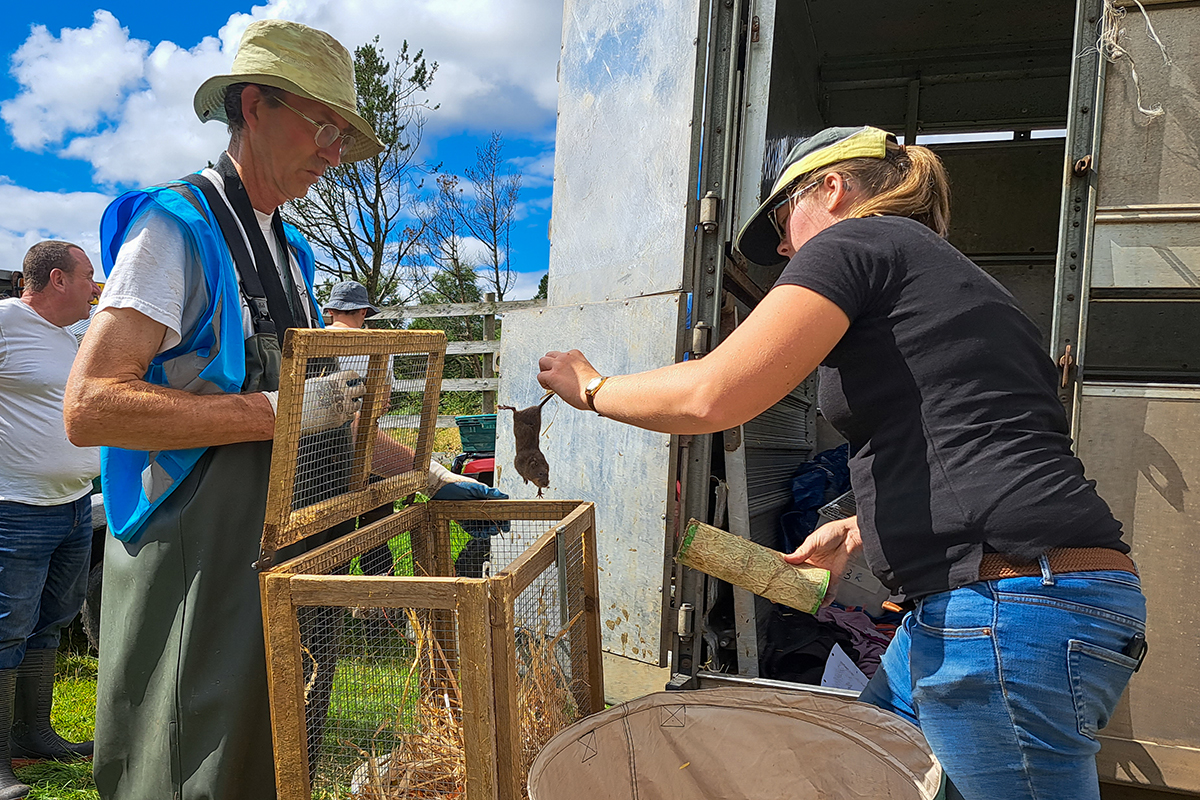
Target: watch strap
590,394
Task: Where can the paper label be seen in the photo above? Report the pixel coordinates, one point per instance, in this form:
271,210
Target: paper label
841,672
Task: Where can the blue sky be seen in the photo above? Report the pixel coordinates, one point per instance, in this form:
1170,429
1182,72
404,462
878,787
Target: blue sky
95,99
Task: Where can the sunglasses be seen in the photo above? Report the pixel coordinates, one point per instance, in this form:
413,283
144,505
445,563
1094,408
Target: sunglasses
327,133
788,198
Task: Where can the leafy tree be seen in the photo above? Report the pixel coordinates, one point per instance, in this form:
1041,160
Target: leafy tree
543,292
362,218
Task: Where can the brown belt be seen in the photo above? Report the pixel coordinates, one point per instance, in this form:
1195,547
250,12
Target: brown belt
995,566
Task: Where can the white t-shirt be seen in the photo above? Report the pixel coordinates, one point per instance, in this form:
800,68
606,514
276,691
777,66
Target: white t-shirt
158,272
38,466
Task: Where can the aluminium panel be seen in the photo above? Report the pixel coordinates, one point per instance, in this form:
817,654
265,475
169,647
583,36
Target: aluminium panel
1146,255
627,472
1138,442
622,182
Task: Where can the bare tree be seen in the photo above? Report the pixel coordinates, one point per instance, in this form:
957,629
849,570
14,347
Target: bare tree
363,218
486,212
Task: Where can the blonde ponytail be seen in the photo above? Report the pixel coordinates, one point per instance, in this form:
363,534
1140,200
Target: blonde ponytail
908,182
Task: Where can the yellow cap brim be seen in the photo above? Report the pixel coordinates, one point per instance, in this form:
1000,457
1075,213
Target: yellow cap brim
758,240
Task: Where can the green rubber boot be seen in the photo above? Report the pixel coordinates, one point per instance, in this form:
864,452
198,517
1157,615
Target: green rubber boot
10,787
32,734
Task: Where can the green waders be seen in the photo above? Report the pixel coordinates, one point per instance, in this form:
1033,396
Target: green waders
182,711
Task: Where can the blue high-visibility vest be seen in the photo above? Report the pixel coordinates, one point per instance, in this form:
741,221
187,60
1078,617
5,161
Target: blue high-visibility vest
136,482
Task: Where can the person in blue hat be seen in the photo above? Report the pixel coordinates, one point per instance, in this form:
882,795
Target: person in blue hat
348,305
348,308
1029,618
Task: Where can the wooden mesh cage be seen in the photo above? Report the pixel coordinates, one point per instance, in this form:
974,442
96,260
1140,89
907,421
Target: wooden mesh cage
424,652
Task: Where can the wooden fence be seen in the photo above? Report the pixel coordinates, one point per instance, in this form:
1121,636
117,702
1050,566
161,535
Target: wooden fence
487,347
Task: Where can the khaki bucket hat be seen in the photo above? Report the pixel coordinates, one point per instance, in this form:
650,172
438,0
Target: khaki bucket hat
298,59
758,239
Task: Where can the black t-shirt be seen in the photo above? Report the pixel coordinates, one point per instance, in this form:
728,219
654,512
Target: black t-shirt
958,440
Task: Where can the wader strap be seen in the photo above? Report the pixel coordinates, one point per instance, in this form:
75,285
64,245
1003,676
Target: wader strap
276,280
252,289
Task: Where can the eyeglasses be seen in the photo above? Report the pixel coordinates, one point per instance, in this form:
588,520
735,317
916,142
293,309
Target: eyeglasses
327,133
788,198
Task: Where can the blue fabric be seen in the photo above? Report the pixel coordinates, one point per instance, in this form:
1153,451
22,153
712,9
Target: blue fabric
816,482
1009,680
45,552
126,503
469,490
474,490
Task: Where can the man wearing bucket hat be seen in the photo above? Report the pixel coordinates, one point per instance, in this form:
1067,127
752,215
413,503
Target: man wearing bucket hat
177,378
1029,617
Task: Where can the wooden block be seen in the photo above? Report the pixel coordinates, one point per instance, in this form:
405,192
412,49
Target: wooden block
591,600
753,567
379,392
285,684
504,679
478,699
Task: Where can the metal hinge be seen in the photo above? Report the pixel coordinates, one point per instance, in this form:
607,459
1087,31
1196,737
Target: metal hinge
1066,362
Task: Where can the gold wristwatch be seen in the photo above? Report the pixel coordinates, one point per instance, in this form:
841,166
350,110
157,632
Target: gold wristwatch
590,390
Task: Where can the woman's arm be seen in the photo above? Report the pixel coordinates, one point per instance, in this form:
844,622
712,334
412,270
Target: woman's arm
765,357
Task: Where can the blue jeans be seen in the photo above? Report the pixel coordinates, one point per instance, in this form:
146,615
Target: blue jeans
1009,680
45,552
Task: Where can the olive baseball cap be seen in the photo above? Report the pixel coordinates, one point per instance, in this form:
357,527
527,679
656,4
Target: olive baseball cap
758,240
298,59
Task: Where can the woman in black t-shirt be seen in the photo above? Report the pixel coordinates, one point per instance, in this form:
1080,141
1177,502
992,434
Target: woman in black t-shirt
1029,617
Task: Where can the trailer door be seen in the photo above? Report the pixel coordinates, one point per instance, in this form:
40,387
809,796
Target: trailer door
1127,337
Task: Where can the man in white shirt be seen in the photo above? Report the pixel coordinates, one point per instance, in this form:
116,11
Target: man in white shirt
45,511
178,377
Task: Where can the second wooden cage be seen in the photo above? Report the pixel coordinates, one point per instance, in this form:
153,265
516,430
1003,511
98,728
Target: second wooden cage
443,685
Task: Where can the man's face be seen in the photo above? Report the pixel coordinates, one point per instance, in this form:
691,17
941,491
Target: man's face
285,145
78,288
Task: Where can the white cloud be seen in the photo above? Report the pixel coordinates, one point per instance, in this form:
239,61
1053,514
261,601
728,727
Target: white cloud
28,217
70,83
526,286
536,171
125,106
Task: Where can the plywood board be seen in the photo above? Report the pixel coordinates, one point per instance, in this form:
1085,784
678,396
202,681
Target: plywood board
627,472
622,175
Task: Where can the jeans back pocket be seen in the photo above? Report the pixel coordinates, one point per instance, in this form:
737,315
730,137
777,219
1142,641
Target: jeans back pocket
1098,677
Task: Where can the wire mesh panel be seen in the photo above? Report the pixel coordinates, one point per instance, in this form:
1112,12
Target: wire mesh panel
354,426
394,675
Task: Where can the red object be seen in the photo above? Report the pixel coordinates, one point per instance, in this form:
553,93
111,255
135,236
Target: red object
478,465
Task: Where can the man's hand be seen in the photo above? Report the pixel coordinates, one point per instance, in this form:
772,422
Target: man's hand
329,401
831,547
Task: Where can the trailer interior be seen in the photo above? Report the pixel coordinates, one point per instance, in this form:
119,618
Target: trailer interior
1000,93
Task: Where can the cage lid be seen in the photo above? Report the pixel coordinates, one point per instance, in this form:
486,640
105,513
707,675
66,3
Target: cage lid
354,426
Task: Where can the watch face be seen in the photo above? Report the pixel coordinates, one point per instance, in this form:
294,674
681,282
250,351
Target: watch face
593,385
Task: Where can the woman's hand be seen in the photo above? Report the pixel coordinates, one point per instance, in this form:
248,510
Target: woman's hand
830,547
567,375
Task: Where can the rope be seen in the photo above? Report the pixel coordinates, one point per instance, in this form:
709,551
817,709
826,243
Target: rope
1110,48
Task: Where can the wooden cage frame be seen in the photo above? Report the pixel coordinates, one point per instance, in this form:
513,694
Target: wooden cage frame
485,610
285,525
